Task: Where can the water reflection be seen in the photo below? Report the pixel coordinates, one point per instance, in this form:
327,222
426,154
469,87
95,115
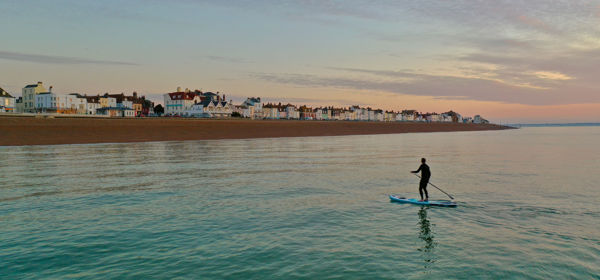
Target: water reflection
426,234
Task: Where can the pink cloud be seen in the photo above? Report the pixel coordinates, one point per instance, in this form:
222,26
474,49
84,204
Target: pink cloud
536,23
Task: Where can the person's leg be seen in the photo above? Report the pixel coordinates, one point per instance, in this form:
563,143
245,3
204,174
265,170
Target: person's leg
426,194
421,190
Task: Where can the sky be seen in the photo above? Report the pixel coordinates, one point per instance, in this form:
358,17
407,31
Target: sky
519,61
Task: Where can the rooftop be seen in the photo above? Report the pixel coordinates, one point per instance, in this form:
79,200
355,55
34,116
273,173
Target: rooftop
3,93
34,85
182,95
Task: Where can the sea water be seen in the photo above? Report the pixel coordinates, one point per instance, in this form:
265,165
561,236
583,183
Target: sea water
313,208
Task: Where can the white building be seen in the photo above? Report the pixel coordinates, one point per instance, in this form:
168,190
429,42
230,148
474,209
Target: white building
76,103
196,111
115,112
217,108
378,115
177,103
409,115
479,119
270,111
445,117
92,107
399,117
7,102
49,102
292,112
362,114
254,109
458,118
28,93
370,115
350,115
128,112
282,113
318,114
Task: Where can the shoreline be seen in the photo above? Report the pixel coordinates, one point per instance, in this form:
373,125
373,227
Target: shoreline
24,131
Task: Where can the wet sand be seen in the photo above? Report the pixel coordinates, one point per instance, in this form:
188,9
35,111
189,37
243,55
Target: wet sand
18,131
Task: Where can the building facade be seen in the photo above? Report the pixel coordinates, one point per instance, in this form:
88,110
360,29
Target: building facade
7,102
177,103
254,108
29,93
108,102
49,102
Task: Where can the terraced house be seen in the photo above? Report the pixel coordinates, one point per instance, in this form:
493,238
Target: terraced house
29,94
7,102
178,102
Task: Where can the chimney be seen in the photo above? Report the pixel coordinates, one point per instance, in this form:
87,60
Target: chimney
40,83
178,89
134,94
50,87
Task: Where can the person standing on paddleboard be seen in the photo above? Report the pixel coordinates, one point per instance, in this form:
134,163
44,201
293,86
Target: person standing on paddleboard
425,175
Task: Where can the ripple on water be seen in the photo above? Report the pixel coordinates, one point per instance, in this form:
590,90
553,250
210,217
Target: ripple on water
300,208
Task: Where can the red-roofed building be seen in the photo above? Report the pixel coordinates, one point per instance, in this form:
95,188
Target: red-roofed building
177,103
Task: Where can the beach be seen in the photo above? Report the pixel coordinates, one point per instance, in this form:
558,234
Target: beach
19,131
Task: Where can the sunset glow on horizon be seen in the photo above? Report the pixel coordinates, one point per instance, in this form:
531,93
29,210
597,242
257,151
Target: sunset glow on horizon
510,61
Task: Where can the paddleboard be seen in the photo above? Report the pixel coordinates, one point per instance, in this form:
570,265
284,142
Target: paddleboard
443,203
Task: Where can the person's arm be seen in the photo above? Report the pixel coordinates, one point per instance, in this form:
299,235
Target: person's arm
417,169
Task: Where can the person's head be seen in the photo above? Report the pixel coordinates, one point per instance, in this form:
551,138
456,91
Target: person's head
423,160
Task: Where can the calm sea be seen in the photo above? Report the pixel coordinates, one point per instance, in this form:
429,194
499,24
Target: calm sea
313,208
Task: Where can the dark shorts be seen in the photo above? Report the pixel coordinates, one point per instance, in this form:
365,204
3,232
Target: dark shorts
423,184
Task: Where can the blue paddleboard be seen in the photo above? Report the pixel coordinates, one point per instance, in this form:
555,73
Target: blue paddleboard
444,203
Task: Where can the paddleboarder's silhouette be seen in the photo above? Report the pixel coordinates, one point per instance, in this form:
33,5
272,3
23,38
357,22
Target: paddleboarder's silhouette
425,175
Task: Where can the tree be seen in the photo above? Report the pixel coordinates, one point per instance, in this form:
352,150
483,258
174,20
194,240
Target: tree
159,109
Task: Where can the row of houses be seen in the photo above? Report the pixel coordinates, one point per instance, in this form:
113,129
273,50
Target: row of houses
188,103
36,99
355,113
197,104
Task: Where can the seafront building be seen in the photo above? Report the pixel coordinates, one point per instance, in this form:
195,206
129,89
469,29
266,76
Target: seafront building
216,107
46,102
36,99
29,94
199,104
140,106
179,102
7,102
251,108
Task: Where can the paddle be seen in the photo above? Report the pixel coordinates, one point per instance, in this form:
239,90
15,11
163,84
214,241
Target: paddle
436,187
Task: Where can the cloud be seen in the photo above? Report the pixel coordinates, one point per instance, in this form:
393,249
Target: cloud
552,76
426,85
308,101
50,59
408,76
226,59
536,23
530,88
